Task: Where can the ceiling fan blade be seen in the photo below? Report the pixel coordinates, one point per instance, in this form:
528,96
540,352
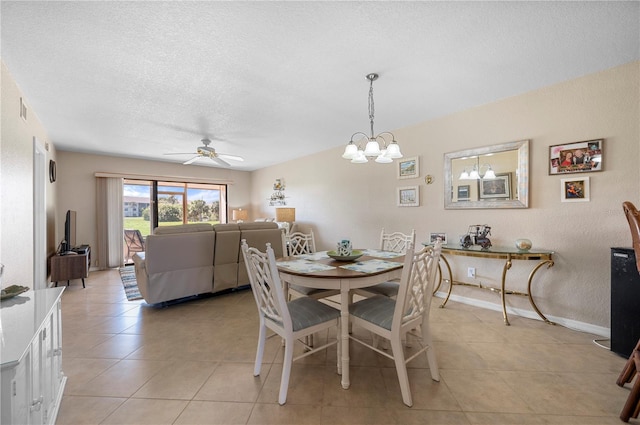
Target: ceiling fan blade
180,153
231,157
191,161
220,162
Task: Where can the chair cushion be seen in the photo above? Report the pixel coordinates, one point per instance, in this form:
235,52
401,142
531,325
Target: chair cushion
377,310
388,289
306,312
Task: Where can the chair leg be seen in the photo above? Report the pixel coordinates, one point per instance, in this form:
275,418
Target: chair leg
629,370
262,337
401,369
286,371
431,352
632,406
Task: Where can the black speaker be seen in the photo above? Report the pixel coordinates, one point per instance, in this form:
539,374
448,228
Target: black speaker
625,301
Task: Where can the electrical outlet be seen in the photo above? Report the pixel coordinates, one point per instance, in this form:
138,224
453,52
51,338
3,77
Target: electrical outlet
471,272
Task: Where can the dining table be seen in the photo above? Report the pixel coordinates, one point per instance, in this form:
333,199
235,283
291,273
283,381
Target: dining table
320,271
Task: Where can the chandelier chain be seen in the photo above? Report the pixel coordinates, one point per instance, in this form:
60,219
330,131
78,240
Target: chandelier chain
371,107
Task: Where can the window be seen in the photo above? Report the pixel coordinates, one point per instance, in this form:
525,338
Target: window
177,203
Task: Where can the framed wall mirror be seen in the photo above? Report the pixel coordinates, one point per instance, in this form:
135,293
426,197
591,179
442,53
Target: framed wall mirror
488,177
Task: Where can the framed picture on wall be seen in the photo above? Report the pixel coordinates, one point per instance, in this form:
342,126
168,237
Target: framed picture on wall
500,187
463,192
575,190
409,168
579,157
408,196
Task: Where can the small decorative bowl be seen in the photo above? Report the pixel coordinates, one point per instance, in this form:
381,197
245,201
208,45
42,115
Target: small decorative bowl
355,254
523,244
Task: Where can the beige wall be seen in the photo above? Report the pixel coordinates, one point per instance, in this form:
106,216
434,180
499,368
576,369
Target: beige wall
76,174
339,199
16,185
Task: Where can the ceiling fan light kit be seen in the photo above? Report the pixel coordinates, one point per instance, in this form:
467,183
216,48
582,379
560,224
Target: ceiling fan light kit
206,152
390,149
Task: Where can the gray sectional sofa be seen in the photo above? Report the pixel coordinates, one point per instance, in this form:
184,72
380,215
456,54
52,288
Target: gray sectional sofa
191,259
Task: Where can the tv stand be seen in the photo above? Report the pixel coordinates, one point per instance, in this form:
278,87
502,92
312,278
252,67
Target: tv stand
73,266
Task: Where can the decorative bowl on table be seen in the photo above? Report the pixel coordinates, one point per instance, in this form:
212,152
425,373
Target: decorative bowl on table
355,254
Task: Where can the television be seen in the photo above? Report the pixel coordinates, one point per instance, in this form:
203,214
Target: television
69,232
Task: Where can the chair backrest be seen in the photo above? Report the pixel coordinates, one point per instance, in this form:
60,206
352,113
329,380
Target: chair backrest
416,284
396,242
266,285
133,239
633,218
299,243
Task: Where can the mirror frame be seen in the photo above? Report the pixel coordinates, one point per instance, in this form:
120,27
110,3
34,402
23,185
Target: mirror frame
522,171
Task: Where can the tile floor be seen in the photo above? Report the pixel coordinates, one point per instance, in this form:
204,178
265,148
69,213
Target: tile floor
192,363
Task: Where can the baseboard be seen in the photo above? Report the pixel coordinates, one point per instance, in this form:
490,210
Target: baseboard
530,314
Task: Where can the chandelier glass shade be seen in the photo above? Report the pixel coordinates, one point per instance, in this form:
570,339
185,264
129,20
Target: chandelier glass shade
475,173
382,147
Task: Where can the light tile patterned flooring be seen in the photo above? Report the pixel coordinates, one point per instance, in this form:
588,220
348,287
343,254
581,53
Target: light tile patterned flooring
192,363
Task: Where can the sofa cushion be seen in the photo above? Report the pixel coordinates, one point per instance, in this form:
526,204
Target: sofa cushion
257,225
183,228
226,227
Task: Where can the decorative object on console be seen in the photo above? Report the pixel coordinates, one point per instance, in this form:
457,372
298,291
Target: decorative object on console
239,215
523,244
433,237
408,196
390,150
579,157
575,190
277,197
477,235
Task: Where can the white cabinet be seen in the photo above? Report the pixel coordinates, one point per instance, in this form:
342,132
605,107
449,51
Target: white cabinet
31,355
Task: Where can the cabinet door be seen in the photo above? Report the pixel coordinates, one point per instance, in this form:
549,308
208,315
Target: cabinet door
56,343
36,409
46,367
20,394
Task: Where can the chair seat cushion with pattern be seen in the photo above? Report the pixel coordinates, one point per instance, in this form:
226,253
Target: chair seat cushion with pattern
377,310
306,312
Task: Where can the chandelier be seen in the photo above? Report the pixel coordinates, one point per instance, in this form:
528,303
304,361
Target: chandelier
377,146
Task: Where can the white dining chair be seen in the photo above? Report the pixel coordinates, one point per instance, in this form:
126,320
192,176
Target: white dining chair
393,318
291,320
395,242
299,243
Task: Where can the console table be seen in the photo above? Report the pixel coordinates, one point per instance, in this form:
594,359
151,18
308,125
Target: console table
68,267
544,257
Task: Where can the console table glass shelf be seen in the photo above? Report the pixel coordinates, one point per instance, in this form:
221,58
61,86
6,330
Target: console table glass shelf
543,256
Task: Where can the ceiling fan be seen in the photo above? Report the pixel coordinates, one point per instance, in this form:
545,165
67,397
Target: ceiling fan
207,152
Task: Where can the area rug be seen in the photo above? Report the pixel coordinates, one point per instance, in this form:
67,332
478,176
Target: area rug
128,276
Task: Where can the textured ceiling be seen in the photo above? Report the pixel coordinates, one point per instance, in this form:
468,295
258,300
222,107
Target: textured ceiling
272,81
